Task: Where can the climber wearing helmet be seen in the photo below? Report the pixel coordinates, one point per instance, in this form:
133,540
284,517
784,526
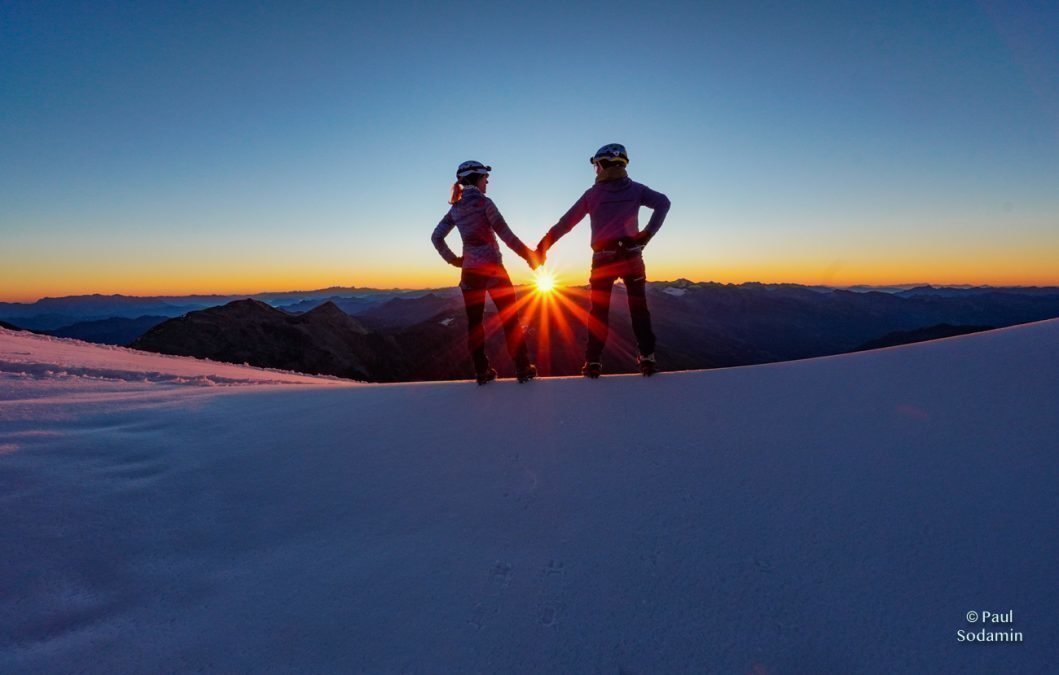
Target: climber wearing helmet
613,204
479,222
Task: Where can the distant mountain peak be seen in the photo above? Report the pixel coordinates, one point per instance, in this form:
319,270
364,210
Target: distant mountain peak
329,312
248,302
245,308
326,307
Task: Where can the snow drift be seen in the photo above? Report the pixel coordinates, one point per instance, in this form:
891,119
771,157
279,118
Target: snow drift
841,514
43,357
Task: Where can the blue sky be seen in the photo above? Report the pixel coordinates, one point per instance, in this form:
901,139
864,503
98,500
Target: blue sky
245,146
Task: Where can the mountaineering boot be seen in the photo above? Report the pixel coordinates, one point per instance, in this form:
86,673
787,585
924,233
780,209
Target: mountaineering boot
592,369
487,375
526,373
647,364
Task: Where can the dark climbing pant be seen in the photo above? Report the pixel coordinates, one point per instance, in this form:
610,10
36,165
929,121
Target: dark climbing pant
604,274
475,283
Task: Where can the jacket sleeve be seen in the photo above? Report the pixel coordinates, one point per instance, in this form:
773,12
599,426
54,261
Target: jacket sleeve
571,218
438,238
500,226
659,204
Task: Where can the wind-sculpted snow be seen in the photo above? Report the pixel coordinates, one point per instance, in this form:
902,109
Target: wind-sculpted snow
27,355
49,370
842,514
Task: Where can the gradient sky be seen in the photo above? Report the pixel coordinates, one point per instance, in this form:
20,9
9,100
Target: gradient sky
239,147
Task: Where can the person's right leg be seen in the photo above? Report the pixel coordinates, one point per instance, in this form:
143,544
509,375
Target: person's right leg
599,315
506,301
474,302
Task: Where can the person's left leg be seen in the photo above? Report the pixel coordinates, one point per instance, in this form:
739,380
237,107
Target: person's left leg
474,302
598,323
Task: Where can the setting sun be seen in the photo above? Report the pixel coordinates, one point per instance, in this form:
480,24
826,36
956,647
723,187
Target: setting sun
545,281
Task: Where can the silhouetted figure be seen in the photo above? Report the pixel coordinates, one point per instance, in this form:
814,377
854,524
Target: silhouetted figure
478,221
613,205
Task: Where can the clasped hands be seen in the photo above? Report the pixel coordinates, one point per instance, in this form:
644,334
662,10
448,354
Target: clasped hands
536,257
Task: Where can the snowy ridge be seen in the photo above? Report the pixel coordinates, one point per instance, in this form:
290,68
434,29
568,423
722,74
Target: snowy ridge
25,354
56,371
840,514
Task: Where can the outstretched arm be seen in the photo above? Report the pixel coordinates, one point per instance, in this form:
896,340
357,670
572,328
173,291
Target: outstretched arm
438,238
572,217
500,226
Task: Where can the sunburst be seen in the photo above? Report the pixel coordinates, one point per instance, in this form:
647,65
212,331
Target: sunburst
544,281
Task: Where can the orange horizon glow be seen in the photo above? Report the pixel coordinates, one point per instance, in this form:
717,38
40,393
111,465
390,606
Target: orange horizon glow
27,292
90,267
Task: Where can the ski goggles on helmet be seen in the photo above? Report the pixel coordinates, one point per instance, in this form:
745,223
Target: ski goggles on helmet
469,167
613,152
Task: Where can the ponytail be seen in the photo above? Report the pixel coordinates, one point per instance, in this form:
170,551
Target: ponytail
457,187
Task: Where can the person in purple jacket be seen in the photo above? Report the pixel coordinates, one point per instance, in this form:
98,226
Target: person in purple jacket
613,205
479,222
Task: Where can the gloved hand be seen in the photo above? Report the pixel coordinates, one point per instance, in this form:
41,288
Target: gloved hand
458,262
641,238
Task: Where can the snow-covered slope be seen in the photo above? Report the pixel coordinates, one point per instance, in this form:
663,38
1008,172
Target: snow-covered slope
841,514
44,357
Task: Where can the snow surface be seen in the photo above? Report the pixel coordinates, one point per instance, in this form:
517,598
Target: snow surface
677,292
840,514
45,357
